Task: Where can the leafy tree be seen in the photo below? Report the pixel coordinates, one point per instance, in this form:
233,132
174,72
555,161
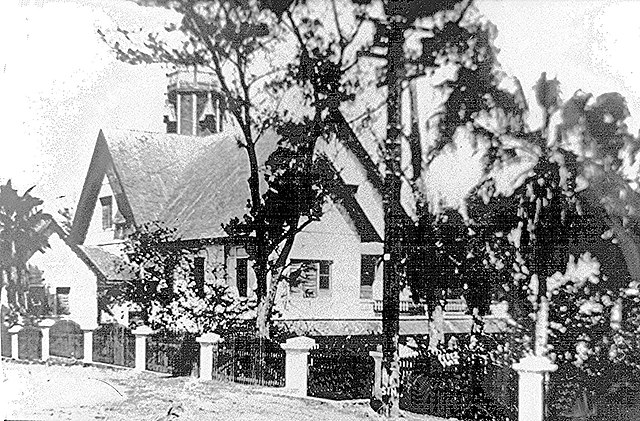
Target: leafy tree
227,36
21,235
553,239
165,288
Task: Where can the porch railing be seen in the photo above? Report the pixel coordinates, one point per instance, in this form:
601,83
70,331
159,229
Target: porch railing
406,307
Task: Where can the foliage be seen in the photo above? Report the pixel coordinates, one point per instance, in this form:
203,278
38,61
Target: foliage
563,232
165,291
227,37
21,235
456,379
67,221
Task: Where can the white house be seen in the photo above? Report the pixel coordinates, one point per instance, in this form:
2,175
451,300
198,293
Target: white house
194,179
68,280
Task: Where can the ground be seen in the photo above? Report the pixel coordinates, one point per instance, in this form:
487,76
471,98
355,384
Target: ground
74,392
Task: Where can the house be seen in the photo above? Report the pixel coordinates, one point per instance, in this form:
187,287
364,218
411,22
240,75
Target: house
68,280
193,178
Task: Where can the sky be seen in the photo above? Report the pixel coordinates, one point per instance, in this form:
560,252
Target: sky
61,84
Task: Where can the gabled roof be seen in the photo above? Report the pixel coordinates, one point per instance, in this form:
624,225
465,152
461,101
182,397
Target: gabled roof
109,266
194,184
103,264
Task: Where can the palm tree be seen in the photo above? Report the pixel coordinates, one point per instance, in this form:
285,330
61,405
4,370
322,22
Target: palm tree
21,235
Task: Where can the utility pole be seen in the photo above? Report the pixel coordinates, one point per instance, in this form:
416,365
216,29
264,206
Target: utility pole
393,227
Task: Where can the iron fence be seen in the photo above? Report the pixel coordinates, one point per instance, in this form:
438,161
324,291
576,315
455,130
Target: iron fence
114,344
66,340
30,343
469,390
340,373
175,353
249,359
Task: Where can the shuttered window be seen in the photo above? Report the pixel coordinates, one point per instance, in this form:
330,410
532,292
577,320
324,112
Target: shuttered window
62,300
198,275
367,275
38,300
107,212
314,277
241,276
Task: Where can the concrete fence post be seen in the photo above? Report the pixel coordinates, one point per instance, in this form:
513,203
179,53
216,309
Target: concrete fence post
13,331
87,337
141,333
377,378
296,363
531,374
208,345
45,327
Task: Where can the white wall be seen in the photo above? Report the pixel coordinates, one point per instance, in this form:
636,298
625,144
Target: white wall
95,234
333,238
61,267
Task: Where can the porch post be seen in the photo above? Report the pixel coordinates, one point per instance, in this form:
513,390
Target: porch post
296,363
531,373
377,379
87,336
141,333
208,345
45,326
13,331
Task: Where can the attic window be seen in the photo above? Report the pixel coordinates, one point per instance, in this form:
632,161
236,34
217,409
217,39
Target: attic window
107,212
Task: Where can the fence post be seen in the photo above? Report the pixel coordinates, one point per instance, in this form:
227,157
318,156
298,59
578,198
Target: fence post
87,336
296,367
208,345
531,372
13,331
141,333
45,327
377,379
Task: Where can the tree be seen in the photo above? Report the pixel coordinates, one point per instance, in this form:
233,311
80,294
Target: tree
226,36
170,291
553,239
21,235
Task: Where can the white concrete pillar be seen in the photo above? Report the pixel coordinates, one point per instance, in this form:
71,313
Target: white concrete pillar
45,326
296,363
377,378
87,336
531,373
208,345
13,331
141,333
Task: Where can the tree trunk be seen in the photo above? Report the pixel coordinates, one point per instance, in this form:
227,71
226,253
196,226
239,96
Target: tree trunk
265,306
392,219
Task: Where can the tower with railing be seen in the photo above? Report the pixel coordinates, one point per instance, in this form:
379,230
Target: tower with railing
194,104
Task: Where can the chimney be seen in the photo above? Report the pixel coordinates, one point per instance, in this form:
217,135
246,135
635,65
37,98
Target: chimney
194,104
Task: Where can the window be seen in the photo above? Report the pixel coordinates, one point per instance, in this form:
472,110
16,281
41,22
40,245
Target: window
198,275
107,212
241,276
38,303
62,300
368,265
314,279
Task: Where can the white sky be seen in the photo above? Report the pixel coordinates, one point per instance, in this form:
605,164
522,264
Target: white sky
61,84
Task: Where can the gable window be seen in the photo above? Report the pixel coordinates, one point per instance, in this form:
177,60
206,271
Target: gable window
107,212
314,279
368,265
241,276
62,300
